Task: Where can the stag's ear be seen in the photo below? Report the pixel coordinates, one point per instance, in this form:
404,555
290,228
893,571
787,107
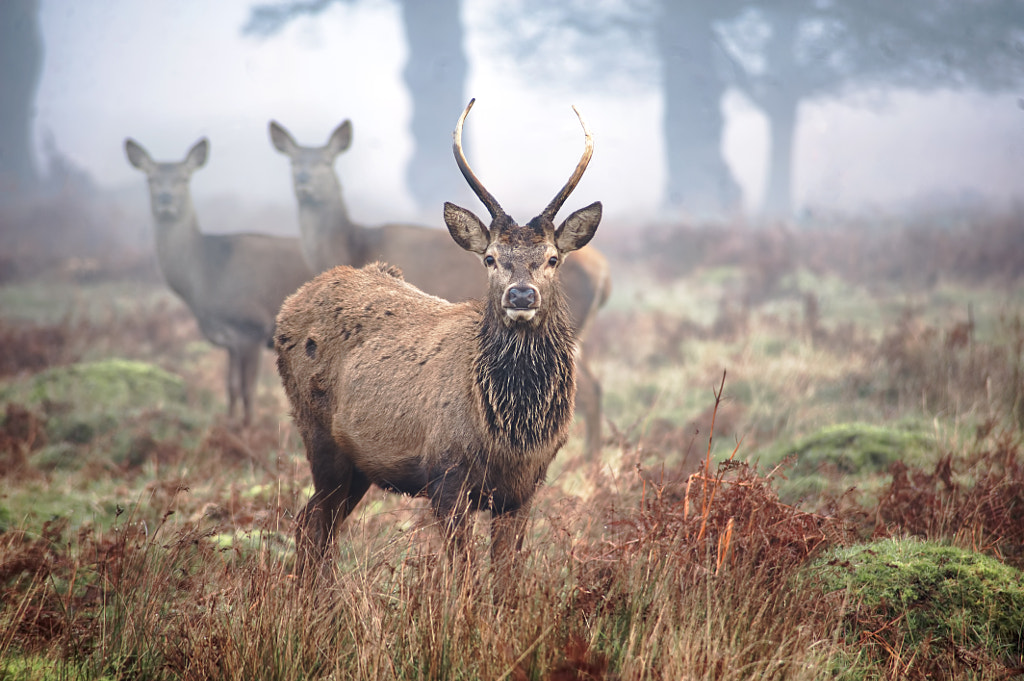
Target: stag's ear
578,229
340,139
196,157
282,139
138,156
467,229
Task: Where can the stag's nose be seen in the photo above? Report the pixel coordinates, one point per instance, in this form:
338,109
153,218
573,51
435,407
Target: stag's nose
522,297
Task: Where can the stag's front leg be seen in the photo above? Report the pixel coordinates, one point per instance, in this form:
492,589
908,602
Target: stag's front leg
453,517
507,533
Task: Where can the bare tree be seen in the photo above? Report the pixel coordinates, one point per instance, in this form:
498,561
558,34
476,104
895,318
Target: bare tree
663,44
21,64
787,52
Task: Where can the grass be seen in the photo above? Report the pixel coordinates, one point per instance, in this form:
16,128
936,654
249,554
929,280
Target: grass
778,428
920,595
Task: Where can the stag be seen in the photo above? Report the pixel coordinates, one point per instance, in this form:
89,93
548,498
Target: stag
427,260
464,403
233,284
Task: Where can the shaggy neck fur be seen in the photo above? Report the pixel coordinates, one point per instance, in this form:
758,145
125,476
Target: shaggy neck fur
526,376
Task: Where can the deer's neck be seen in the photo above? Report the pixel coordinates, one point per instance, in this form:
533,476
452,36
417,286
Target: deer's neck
329,237
527,379
179,251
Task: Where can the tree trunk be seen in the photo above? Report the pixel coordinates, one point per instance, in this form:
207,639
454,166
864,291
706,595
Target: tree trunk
435,76
699,180
782,120
21,64
779,97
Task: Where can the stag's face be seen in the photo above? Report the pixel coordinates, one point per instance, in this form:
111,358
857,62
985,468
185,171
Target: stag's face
313,174
168,182
522,261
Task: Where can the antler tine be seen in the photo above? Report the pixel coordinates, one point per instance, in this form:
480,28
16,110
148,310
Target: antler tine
493,207
562,195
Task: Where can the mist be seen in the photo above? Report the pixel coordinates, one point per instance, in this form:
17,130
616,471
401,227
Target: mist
167,73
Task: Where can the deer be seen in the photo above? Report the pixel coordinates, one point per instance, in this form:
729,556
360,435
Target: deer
464,403
330,237
233,284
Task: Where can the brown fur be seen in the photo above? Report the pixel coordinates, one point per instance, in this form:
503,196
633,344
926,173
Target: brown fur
233,284
329,237
466,403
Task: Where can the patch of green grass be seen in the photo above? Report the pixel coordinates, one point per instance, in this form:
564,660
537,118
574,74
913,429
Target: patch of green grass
934,597
843,455
117,408
18,667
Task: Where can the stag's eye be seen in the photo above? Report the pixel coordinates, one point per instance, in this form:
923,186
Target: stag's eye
553,260
489,260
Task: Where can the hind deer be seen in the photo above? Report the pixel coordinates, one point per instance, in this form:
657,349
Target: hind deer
464,403
330,237
233,284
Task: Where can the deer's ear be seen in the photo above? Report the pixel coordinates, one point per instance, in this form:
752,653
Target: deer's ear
282,139
138,156
578,229
196,157
467,229
340,139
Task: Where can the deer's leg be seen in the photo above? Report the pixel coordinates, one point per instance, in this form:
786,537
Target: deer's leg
234,380
507,532
249,370
451,503
588,401
338,487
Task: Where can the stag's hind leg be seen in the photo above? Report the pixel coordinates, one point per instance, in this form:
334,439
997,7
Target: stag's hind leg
338,487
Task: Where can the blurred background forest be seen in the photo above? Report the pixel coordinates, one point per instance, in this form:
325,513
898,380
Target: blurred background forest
726,111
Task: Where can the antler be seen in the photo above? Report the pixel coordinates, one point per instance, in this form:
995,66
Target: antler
562,195
493,207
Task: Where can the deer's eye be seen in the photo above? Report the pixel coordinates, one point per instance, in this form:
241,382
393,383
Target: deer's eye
552,261
489,260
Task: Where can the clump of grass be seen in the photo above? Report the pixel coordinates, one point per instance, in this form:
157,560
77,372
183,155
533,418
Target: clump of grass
695,581
975,500
924,610
826,463
118,409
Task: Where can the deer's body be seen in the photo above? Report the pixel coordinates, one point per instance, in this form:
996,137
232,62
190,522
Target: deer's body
400,383
233,284
466,403
330,237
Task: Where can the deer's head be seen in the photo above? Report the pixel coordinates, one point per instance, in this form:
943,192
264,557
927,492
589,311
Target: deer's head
312,167
168,182
522,261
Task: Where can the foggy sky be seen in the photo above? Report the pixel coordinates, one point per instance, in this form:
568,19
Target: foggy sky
167,72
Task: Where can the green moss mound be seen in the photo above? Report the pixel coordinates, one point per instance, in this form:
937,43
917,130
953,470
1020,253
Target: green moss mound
109,383
854,448
935,597
844,455
117,408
